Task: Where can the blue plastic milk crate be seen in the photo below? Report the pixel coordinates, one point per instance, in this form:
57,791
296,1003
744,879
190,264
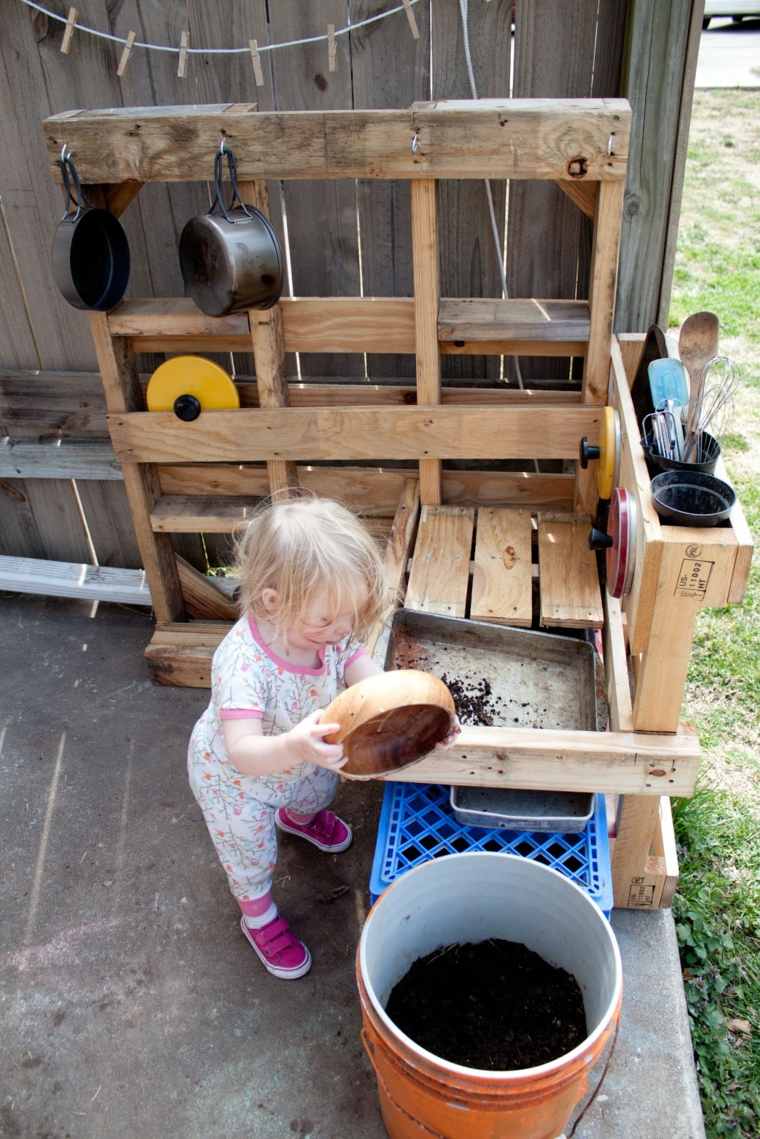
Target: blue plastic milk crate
417,823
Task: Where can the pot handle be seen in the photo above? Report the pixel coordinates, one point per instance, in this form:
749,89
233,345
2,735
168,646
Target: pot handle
76,200
235,202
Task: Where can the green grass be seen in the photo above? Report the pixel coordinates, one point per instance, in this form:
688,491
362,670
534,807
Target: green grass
717,913
717,908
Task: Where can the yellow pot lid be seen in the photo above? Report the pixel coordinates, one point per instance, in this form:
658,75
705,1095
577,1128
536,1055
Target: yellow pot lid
195,376
609,453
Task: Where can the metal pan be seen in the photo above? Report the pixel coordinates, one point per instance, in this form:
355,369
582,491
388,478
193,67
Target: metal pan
90,249
230,257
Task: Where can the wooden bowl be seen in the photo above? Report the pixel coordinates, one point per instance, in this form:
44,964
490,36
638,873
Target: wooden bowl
390,720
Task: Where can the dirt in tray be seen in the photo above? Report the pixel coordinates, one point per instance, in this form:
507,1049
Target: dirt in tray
494,1005
474,701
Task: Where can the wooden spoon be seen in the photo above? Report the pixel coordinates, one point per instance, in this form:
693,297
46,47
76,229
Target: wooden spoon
390,720
697,346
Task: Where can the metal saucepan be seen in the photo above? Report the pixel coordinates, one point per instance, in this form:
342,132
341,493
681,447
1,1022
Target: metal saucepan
90,249
230,257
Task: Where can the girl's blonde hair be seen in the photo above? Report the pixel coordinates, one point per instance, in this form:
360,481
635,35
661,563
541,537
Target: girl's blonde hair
301,545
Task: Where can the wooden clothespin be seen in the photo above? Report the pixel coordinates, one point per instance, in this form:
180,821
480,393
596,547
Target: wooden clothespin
410,17
332,47
125,53
184,41
256,60
68,33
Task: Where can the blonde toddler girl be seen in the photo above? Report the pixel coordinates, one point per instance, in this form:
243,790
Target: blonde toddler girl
311,586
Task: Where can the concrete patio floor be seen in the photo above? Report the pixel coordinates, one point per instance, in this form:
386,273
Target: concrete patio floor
132,1007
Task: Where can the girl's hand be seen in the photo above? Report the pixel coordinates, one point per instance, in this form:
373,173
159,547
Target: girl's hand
306,742
454,732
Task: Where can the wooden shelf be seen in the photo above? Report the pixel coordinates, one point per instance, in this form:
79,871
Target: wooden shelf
539,320
224,514
362,324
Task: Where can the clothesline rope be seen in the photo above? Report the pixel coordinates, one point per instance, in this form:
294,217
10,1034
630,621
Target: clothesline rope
344,31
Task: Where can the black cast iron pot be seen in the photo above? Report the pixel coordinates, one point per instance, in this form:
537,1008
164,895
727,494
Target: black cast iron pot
90,249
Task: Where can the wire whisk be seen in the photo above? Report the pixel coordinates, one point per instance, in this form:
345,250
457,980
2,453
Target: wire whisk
712,409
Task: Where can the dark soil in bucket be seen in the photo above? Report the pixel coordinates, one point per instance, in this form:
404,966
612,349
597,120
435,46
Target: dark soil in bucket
494,1005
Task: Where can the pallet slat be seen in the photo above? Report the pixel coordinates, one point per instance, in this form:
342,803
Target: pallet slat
486,319
440,571
311,434
374,488
570,596
502,584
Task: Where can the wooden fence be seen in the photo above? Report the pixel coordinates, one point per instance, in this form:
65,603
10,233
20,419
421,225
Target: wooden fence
343,238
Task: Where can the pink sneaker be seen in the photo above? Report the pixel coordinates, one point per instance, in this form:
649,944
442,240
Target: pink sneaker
325,830
278,950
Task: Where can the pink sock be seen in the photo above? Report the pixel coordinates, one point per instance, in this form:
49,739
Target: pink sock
258,912
297,817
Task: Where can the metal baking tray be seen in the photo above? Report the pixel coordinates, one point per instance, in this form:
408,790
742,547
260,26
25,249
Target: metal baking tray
566,812
532,680
537,680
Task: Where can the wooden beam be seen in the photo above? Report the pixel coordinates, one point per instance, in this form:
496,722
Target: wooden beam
312,434
123,393
623,762
486,138
604,262
398,551
202,597
426,290
268,336
690,577
582,194
633,887
616,667
269,354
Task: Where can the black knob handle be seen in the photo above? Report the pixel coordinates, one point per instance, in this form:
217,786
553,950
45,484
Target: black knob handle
598,540
588,451
187,407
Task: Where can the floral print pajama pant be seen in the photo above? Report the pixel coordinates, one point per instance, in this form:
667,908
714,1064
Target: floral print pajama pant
239,813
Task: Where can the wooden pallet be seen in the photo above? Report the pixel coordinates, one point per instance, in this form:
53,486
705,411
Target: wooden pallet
483,544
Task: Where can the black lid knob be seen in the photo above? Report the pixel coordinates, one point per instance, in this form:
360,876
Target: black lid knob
588,451
598,540
187,407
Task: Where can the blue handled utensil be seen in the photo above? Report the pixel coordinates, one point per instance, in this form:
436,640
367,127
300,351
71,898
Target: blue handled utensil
667,381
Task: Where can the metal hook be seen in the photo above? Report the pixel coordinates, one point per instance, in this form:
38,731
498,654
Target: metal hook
222,144
65,153
415,143
610,144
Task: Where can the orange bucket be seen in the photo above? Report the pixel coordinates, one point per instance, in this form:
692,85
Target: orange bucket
465,898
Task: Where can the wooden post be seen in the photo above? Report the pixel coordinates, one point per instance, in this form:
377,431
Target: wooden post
269,352
596,371
123,393
426,288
